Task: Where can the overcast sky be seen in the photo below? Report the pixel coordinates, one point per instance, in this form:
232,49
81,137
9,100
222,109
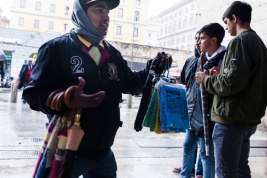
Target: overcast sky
155,6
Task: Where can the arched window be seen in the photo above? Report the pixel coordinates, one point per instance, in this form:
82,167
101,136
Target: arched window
189,39
183,40
178,41
174,27
191,21
185,23
179,25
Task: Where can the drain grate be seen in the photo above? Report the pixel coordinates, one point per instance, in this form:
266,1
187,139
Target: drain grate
18,154
21,142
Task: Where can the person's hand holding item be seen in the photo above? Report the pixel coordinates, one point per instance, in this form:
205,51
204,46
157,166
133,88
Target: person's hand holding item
159,63
199,76
80,100
214,71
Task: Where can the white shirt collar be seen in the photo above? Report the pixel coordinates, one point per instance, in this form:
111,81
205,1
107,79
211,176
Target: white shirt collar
220,49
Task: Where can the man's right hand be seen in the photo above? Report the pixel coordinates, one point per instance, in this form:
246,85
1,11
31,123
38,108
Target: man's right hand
214,71
80,100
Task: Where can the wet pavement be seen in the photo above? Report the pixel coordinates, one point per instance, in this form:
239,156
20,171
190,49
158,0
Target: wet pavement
139,154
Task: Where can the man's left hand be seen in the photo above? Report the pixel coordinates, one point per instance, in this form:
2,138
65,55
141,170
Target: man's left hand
199,76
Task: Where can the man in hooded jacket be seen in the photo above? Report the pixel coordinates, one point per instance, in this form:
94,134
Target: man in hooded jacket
209,41
84,56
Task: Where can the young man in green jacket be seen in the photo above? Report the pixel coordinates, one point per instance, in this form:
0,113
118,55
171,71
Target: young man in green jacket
240,89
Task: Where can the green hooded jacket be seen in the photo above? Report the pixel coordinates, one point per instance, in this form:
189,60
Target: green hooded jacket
241,87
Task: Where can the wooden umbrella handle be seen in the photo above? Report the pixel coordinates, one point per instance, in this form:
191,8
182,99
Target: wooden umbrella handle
51,96
202,61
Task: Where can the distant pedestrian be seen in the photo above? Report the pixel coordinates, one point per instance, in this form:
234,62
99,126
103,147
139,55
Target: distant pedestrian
240,93
25,73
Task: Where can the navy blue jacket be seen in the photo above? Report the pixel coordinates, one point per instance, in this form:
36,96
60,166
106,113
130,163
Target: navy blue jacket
59,64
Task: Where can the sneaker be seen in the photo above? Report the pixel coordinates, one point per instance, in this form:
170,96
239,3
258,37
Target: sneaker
179,169
198,176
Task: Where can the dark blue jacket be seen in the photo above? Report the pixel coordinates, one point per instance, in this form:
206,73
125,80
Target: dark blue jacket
59,64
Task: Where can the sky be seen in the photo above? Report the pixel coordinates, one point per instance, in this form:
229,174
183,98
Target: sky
155,6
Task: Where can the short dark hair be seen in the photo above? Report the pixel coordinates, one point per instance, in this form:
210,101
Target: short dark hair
214,30
241,9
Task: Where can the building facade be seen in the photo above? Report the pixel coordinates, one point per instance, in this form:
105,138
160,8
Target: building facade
212,11
178,25
19,45
128,22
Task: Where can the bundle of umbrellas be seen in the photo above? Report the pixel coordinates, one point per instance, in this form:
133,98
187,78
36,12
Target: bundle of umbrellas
62,139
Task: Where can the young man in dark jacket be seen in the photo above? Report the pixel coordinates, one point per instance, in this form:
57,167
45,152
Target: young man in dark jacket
84,56
240,93
210,38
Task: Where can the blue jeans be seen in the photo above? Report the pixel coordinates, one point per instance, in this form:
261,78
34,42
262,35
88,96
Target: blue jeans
208,162
199,170
189,148
105,167
232,147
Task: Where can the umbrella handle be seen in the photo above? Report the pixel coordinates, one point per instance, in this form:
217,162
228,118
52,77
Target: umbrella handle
202,61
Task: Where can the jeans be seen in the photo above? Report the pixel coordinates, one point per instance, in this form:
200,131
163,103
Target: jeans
232,147
105,167
199,170
189,148
208,162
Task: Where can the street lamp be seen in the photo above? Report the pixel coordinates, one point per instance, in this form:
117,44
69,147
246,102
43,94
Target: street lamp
130,97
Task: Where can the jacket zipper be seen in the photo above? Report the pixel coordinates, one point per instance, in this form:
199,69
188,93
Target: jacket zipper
99,74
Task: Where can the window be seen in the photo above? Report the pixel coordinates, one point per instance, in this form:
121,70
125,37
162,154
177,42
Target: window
192,7
65,27
165,30
118,30
171,17
179,25
67,9
175,15
185,23
164,44
178,41
52,8
137,2
38,6
136,15
166,19
135,32
174,27
149,35
172,42
191,21
120,12
162,21
183,40
36,23
170,29
180,13
189,38
186,10
51,25
22,3
161,31
21,21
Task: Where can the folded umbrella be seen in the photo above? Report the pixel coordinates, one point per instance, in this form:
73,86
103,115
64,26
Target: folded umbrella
46,139
75,135
204,100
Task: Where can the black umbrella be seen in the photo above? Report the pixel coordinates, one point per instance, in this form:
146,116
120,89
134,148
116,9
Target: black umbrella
2,56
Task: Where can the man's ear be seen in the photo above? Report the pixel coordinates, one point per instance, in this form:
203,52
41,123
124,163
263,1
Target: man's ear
235,18
214,40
